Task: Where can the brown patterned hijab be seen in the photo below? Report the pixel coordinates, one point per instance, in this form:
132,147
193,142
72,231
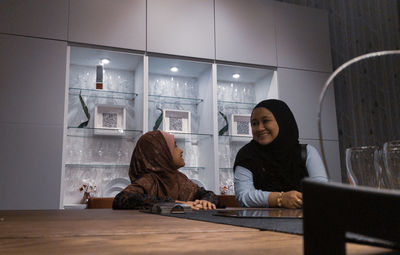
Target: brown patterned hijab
153,172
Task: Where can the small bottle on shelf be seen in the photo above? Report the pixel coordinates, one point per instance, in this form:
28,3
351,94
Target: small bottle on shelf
99,77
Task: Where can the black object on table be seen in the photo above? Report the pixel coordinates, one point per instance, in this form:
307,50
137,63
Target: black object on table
334,211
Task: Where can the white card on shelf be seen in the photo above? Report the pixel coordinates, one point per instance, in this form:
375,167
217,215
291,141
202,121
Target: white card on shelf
109,120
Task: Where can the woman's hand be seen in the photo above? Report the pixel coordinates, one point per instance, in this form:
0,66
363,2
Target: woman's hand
199,204
292,199
204,205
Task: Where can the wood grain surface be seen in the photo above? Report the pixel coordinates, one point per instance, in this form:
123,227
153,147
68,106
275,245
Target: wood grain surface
106,231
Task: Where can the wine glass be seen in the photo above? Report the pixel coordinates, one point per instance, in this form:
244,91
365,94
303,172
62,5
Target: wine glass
391,158
244,95
220,91
384,182
361,165
156,89
236,95
229,92
179,90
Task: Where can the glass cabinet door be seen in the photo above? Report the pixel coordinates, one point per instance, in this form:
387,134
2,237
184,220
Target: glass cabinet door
181,101
104,120
239,89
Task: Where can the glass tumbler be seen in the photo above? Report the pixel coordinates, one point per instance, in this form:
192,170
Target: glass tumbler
391,159
361,165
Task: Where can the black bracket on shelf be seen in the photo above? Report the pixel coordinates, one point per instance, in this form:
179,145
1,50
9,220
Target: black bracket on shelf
85,109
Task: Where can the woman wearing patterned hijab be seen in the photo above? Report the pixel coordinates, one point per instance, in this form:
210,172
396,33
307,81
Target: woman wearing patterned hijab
269,169
155,177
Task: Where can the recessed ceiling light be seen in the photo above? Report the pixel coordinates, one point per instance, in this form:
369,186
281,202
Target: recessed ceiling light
236,75
105,61
174,69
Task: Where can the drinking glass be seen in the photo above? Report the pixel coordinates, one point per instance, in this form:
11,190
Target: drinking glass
164,88
83,79
179,89
250,96
227,90
236,96
230,91
225,94
391,159
219,92
169,89
383,178
156,89
191,90
361,165
245,95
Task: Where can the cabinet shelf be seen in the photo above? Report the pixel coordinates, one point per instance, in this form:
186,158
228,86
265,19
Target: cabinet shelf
103,93
191,168
236,138
96,165
226,168
238,105
193,137
86,132
174,100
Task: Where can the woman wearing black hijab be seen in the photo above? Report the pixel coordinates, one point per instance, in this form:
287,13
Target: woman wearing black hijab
269,169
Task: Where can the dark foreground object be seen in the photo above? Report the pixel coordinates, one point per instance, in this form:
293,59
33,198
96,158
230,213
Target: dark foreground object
332,209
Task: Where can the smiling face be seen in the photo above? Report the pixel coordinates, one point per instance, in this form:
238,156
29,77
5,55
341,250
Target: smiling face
177,157
263,126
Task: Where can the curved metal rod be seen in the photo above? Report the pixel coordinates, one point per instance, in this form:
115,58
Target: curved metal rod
328,82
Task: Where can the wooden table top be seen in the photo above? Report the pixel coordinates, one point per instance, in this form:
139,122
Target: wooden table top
107,231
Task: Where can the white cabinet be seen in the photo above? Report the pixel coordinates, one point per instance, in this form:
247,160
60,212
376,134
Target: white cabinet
41,18
181,27
239,89
245,31
302,38
98,153
215,100
301,90
168,93
188,90
119,24
33,75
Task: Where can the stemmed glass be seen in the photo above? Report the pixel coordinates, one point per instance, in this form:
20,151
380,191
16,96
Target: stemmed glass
229,92
219,92
83,79
245,96
192,90
179,91
156,89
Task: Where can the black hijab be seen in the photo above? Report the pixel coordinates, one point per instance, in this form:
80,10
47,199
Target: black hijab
276,166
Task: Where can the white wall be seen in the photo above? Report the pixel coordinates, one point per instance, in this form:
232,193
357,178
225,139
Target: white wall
33,87
33,75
